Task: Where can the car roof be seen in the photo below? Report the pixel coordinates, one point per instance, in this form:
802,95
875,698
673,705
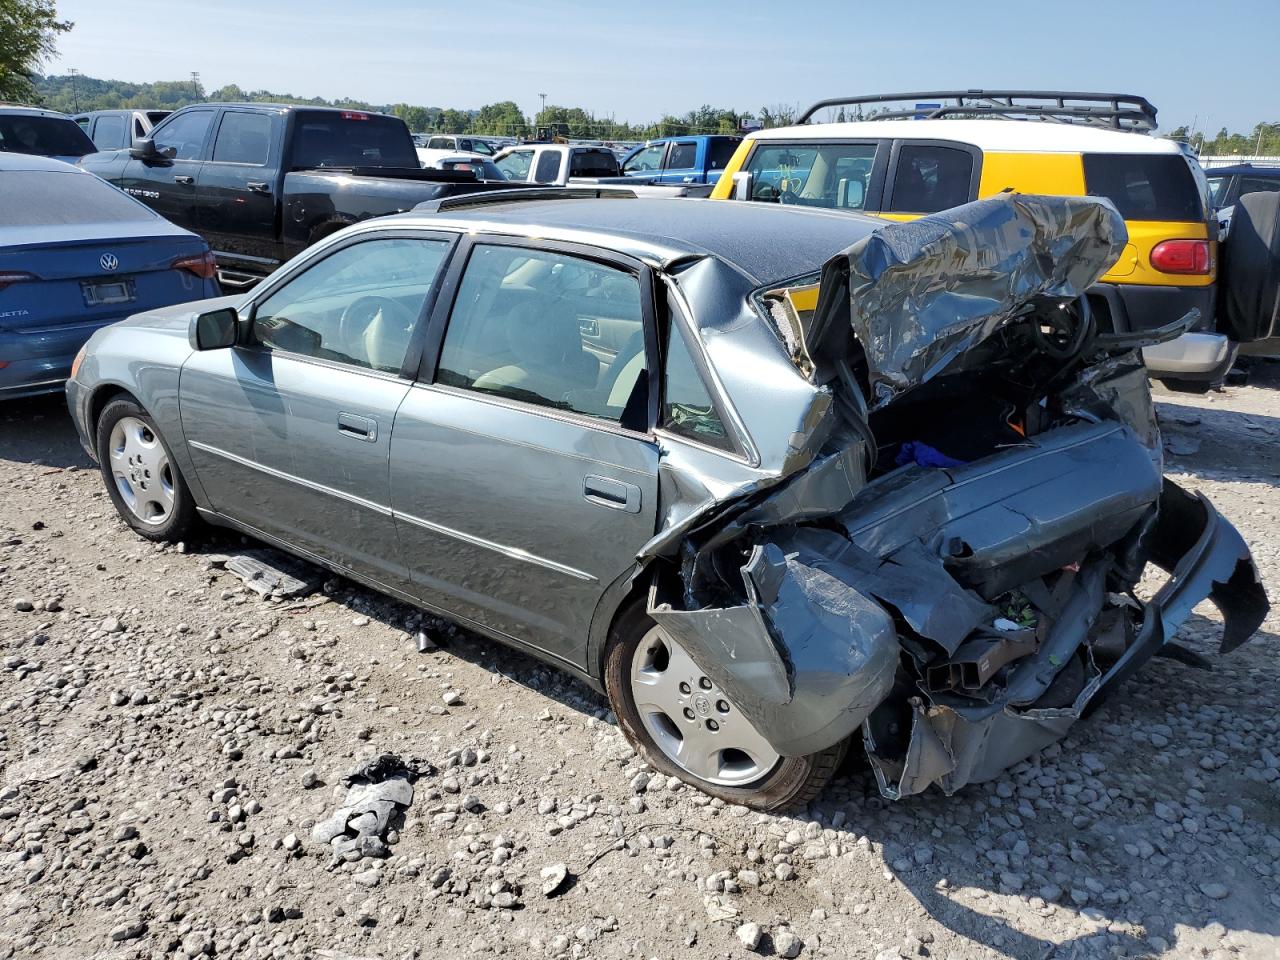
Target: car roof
23,111
1249,168
1012,136
29,162
766,242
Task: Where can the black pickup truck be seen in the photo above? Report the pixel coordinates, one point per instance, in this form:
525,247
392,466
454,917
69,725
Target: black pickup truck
260,182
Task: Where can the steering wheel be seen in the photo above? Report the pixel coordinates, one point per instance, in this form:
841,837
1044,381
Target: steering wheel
361,312
1061,331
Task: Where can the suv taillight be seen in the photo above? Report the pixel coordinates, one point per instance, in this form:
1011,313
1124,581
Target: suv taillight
202,265
1182,256
15,276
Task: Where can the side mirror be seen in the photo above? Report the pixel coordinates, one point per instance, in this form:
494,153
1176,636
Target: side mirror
850,194
742,186
215,330
145,149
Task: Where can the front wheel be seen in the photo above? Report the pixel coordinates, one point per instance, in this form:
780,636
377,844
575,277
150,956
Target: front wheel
685,726
142,480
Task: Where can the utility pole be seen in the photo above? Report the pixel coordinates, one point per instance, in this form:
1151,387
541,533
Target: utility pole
1262,128
544,103
75,94
195,82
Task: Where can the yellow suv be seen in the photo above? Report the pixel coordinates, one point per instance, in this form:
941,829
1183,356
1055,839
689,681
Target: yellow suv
945,149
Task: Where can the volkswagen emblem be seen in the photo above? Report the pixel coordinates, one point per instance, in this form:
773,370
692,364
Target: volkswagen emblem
108,261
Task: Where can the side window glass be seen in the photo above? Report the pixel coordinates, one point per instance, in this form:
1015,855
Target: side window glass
1259,185
549,329
356,306
108,133
929,179
682,156
813,175
182,138
650,158
243,138
548,168
515,166
687,409
439,143
722,152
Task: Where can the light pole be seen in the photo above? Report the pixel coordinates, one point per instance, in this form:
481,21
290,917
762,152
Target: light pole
1262,127
544,103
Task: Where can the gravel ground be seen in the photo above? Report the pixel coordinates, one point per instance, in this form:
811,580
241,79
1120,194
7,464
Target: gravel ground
168,740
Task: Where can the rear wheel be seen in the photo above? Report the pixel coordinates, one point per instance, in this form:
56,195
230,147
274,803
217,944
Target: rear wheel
141,478
685,726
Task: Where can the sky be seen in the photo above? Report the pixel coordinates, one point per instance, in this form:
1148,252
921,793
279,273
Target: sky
1208,63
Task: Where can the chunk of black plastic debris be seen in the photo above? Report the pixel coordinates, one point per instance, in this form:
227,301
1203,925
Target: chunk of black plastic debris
273,574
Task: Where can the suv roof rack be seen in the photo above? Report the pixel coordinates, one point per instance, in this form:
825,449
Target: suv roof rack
1116,111
485,198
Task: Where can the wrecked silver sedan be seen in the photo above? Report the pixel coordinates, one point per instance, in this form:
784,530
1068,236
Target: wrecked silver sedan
774,479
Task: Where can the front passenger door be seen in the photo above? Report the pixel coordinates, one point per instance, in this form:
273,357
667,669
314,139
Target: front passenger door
290,431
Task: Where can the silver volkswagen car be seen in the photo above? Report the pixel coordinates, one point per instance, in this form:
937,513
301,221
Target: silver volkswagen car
770,478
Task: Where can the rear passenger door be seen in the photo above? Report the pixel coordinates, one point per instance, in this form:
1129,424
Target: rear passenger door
523,468
927,176
168,184
237,187
681,162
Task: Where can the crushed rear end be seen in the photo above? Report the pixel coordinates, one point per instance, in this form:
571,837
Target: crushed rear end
951,563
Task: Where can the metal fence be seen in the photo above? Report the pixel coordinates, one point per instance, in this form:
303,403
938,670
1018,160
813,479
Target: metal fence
1228,161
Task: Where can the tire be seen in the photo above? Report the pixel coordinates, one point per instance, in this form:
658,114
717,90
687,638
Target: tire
773,783
143,481
1249,285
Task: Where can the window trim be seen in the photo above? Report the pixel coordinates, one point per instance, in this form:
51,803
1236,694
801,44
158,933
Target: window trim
975,173
248,309
213,144
873,202
438,324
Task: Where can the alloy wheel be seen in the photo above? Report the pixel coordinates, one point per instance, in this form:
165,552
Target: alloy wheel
141,469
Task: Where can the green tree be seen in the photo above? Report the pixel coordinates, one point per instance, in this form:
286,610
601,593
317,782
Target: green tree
28,36
500,119
453,121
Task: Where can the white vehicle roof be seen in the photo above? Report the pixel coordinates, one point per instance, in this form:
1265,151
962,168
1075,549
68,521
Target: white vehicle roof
1003,136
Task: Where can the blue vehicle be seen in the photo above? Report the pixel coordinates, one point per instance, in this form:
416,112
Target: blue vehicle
77,254
680,159
42,133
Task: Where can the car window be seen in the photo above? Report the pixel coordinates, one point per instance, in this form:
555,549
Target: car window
1259,185
929,179
108,133
243,138
687,408
515,165
721,151
182,137
812,175
440,143
350,138
43,136
358,305
549,329
648,158
1145,186
548,168
593,163
481,147
1218,188
139,130
682,156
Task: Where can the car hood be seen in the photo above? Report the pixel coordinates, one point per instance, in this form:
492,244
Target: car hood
177,318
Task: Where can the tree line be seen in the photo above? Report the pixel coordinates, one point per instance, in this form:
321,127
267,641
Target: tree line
1262,141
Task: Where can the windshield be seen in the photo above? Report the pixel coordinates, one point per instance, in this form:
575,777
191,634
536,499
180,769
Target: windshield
812,175
350,139
43,136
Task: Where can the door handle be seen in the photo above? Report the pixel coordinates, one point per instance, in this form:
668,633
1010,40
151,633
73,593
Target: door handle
182,178
358,428
611,493
258,186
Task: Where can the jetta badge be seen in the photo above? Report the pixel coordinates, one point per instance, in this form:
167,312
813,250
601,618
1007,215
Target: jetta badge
108,261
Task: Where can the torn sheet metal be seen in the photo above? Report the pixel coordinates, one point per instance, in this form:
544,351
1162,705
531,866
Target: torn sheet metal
923,293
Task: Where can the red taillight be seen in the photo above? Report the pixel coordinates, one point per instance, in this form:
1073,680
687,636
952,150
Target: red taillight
202,265
1182,256
15,276
354,115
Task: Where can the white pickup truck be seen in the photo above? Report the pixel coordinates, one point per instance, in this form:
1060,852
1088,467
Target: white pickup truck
440,147
567,165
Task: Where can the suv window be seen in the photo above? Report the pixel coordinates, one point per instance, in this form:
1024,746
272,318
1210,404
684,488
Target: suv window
1145,186
108,133
182,138
682,156
1258,185
687,409
357,305
515,165
243,138
649,158
548,168
813,175
549,329
929,179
